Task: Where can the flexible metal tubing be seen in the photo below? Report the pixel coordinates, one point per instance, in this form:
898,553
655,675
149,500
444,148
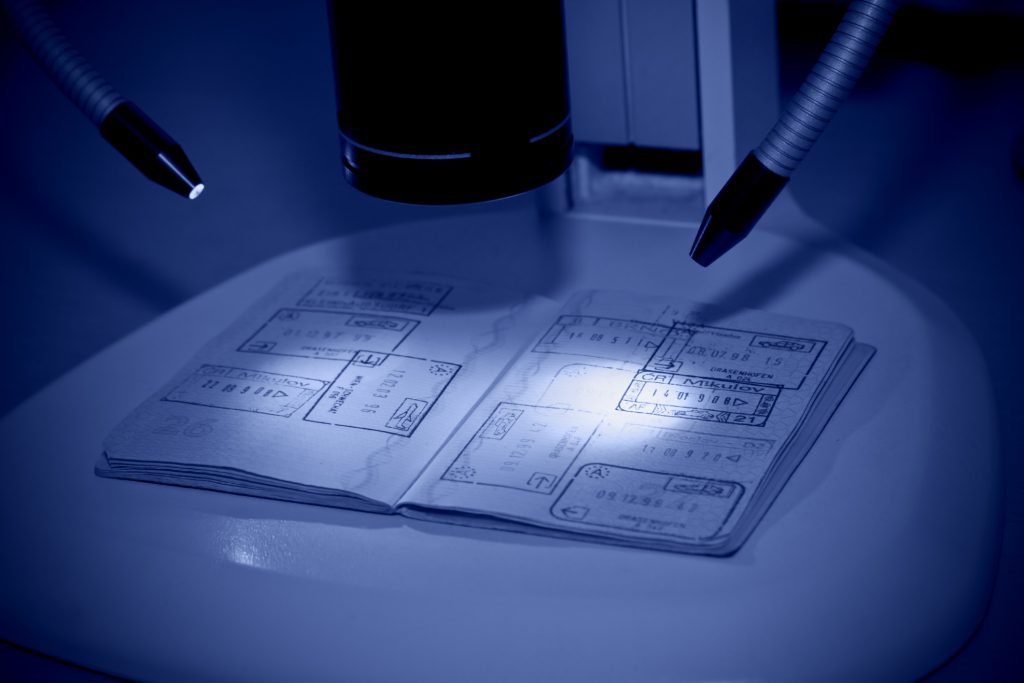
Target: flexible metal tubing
827,86
73,75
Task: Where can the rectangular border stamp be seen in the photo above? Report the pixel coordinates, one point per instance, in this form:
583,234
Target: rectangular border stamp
402,413
409,296
699,398
689,446
601,337
244,390
396,328
647,500
501,422
741,356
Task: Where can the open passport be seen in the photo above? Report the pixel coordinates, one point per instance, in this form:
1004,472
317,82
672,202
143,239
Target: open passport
622,418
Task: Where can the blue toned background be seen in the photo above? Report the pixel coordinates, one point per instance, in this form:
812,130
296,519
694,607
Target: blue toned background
918,168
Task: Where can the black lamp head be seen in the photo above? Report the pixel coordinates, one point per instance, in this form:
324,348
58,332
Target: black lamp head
451,102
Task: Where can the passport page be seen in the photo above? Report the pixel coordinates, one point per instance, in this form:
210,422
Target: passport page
326,389
639,420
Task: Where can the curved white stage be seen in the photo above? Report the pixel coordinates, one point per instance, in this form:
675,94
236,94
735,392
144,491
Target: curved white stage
875,563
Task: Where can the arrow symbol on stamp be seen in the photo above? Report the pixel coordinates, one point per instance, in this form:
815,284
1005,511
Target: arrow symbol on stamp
575,511
279,394
540,480
734,458
738,402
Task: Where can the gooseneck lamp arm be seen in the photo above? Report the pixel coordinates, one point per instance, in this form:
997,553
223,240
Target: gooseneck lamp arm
764,172
140,140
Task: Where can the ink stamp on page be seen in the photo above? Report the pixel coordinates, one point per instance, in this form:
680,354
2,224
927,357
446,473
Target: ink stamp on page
642,501
524,447
727,354
383,392
253,391
699,453
327,334
699,398
385,296
605,338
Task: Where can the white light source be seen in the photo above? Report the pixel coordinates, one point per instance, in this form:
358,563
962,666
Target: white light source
196,191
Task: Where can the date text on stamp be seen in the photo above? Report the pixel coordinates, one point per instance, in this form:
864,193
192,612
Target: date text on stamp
328,335
253,391
736,355
700,453
655,503
607,338
699,398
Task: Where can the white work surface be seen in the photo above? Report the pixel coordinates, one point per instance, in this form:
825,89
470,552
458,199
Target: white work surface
875,563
